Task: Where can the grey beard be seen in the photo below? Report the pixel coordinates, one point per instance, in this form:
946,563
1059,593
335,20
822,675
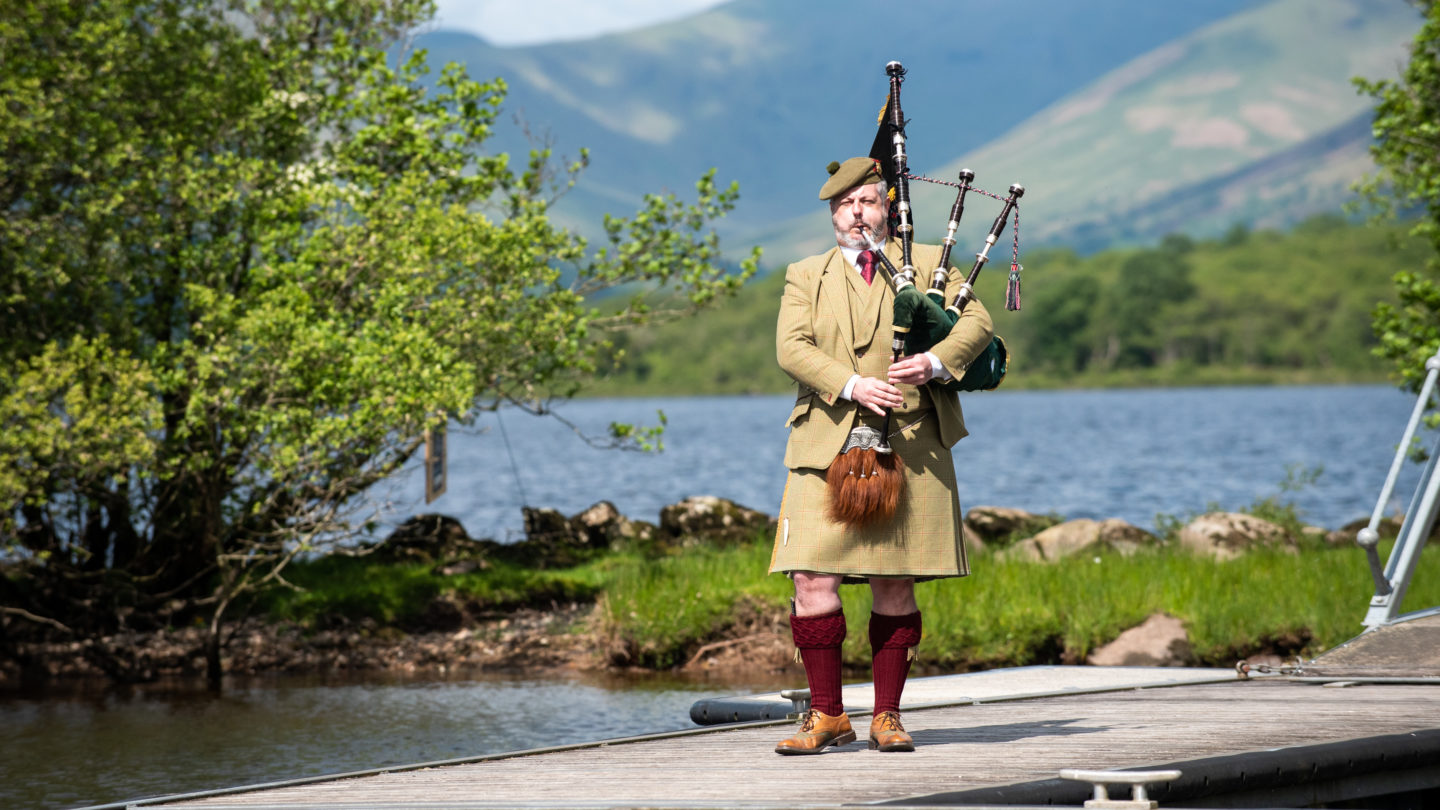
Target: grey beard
845,239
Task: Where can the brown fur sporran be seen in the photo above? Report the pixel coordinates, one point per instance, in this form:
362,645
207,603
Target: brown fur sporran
865,487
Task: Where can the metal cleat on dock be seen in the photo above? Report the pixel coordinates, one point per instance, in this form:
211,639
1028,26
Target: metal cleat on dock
800,699
1136,779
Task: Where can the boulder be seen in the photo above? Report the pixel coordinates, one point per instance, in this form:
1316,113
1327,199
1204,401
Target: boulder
593,527
1160,641
1070,537
711,518
554,541
1126,538
1027,550
1081,535
972,540
546,525
625,530
430,538
1000,524
1345,535
1226,535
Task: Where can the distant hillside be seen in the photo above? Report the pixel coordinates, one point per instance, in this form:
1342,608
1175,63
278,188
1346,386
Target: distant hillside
1125,119
770,92
1251,119
1248,307
1311,177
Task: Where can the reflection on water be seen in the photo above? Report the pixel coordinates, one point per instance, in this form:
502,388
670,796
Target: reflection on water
99,745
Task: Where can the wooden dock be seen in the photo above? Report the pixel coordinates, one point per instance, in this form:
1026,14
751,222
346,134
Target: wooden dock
961,749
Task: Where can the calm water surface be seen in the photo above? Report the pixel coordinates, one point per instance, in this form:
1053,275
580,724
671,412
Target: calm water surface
1127,454
101,745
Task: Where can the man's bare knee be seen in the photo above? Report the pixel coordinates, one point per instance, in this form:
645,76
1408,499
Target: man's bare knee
893,597
816,594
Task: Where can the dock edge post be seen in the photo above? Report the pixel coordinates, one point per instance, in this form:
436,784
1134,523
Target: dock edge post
1137,780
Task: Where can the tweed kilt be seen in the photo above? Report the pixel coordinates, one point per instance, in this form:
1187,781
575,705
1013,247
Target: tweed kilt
923,540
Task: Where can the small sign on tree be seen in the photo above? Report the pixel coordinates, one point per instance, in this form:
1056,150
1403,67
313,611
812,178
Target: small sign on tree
434,462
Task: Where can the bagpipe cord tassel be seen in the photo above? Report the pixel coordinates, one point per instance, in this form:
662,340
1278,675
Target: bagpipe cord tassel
1012,287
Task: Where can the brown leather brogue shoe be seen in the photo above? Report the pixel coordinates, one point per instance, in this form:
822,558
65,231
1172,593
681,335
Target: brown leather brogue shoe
886,733
817,732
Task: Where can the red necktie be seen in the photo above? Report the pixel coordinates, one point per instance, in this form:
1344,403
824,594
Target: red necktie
867,265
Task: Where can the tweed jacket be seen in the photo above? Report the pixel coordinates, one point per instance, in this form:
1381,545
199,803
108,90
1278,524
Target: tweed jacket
816,343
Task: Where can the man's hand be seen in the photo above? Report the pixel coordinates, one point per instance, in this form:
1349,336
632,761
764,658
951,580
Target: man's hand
912,370
876,395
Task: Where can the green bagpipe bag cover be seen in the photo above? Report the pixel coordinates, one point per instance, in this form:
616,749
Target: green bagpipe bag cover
926,324
986,371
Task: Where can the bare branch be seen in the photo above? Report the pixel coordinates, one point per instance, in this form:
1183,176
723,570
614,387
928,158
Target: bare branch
28,616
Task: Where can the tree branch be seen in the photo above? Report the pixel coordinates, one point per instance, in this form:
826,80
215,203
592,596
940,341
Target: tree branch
28,616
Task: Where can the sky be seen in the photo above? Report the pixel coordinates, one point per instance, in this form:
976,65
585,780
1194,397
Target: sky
532,22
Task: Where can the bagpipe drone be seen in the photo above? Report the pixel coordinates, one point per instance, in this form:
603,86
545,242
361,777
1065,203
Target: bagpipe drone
867,479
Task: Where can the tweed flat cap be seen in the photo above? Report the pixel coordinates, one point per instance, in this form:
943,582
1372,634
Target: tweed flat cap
853,172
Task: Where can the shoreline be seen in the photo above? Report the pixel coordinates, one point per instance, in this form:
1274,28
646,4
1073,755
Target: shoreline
527,642
567,624
532,642
1117,382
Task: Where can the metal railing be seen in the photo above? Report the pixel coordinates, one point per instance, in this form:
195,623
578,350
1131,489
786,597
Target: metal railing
1393,578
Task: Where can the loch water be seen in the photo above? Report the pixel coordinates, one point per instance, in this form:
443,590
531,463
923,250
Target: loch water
90,744
1129,454
1121,453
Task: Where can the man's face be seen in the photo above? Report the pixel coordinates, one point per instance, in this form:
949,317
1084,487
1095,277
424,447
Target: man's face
860,206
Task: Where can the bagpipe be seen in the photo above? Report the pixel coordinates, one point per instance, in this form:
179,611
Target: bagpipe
921,321
867,479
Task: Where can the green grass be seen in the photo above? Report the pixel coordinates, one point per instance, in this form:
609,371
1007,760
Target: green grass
396,593
1008,613
1011,612
1014,612
660,610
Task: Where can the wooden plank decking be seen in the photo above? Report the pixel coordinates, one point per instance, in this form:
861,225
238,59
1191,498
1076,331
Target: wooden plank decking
959,748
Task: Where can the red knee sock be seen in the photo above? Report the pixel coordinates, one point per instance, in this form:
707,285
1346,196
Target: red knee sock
818,639
891,638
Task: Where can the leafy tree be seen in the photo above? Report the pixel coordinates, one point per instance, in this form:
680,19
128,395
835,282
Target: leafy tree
247,256
1060,320
1407,152
1149,281
1236,235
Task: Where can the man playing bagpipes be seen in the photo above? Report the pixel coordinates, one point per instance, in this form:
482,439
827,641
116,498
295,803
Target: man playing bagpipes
878,520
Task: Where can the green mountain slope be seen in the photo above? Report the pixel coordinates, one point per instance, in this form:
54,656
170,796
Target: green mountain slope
1125,119
771,92
1252,119
1313,176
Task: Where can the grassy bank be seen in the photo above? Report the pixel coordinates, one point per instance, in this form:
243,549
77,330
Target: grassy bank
340,590
1008,613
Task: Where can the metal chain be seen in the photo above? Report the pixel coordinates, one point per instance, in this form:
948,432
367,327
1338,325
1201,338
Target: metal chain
1244,668
1015,248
